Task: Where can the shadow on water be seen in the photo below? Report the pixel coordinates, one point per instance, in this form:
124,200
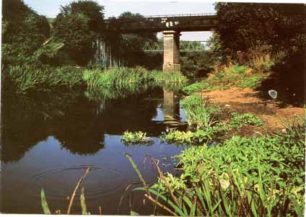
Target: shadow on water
48,139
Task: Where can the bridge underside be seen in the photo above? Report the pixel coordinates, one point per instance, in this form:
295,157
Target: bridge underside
171,28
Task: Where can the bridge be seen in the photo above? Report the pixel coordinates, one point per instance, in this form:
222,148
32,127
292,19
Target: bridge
170,25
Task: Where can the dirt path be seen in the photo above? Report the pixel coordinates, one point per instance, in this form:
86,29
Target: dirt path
247,100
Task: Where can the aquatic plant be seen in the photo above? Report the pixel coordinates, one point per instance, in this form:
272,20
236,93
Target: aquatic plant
238,120
198,137
258,176
135,137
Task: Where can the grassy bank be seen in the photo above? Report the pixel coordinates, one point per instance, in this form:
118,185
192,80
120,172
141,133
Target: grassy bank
119,82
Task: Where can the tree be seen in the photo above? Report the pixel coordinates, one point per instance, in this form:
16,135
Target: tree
132,45
24,31
79,25
242,26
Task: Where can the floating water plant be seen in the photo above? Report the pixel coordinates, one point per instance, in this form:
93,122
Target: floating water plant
135,137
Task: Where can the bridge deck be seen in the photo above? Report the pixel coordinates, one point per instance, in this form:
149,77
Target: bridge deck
158,23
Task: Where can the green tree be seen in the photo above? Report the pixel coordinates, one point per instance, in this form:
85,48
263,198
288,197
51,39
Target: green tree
80,25
132,45
24,31
244,25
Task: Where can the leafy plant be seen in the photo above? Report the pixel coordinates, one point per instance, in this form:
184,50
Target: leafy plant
135,137
239,120
258,176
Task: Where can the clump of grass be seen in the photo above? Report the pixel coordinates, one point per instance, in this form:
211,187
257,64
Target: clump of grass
199,113
195,87
135,137
258,176
238,120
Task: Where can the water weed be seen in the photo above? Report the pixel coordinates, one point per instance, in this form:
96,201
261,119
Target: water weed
135,137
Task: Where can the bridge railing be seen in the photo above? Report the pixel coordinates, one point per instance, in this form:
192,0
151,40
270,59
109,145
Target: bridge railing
182,15
168,16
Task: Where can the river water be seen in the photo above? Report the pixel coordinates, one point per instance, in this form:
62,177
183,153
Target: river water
48,141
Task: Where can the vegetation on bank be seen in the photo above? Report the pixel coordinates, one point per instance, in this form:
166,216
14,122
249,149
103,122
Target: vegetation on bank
258,176
120,82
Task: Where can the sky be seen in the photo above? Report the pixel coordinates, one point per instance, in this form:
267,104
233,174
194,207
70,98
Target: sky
51,8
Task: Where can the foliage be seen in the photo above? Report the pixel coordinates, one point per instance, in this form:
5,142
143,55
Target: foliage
119,82
32,77
259,176
242,26
194,87
234,75
239,120
199,113
173,81
135,137
198,137
79,25
24,31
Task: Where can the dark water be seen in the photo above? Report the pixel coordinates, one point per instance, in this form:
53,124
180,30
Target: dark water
49,140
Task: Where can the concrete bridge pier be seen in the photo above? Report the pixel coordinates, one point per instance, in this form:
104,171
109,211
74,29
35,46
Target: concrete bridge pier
171,50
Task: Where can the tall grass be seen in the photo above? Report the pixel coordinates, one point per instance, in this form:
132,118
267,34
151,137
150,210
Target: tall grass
199,112
31,77
116,82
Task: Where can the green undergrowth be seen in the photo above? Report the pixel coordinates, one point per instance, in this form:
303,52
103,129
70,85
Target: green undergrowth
195,87
228,76
239,120
234,75
135,138
256,176
206,123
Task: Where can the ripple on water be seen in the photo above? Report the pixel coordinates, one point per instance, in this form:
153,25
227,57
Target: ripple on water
58,183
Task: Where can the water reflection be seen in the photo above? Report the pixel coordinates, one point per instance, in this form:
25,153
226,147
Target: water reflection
78,123
48,139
